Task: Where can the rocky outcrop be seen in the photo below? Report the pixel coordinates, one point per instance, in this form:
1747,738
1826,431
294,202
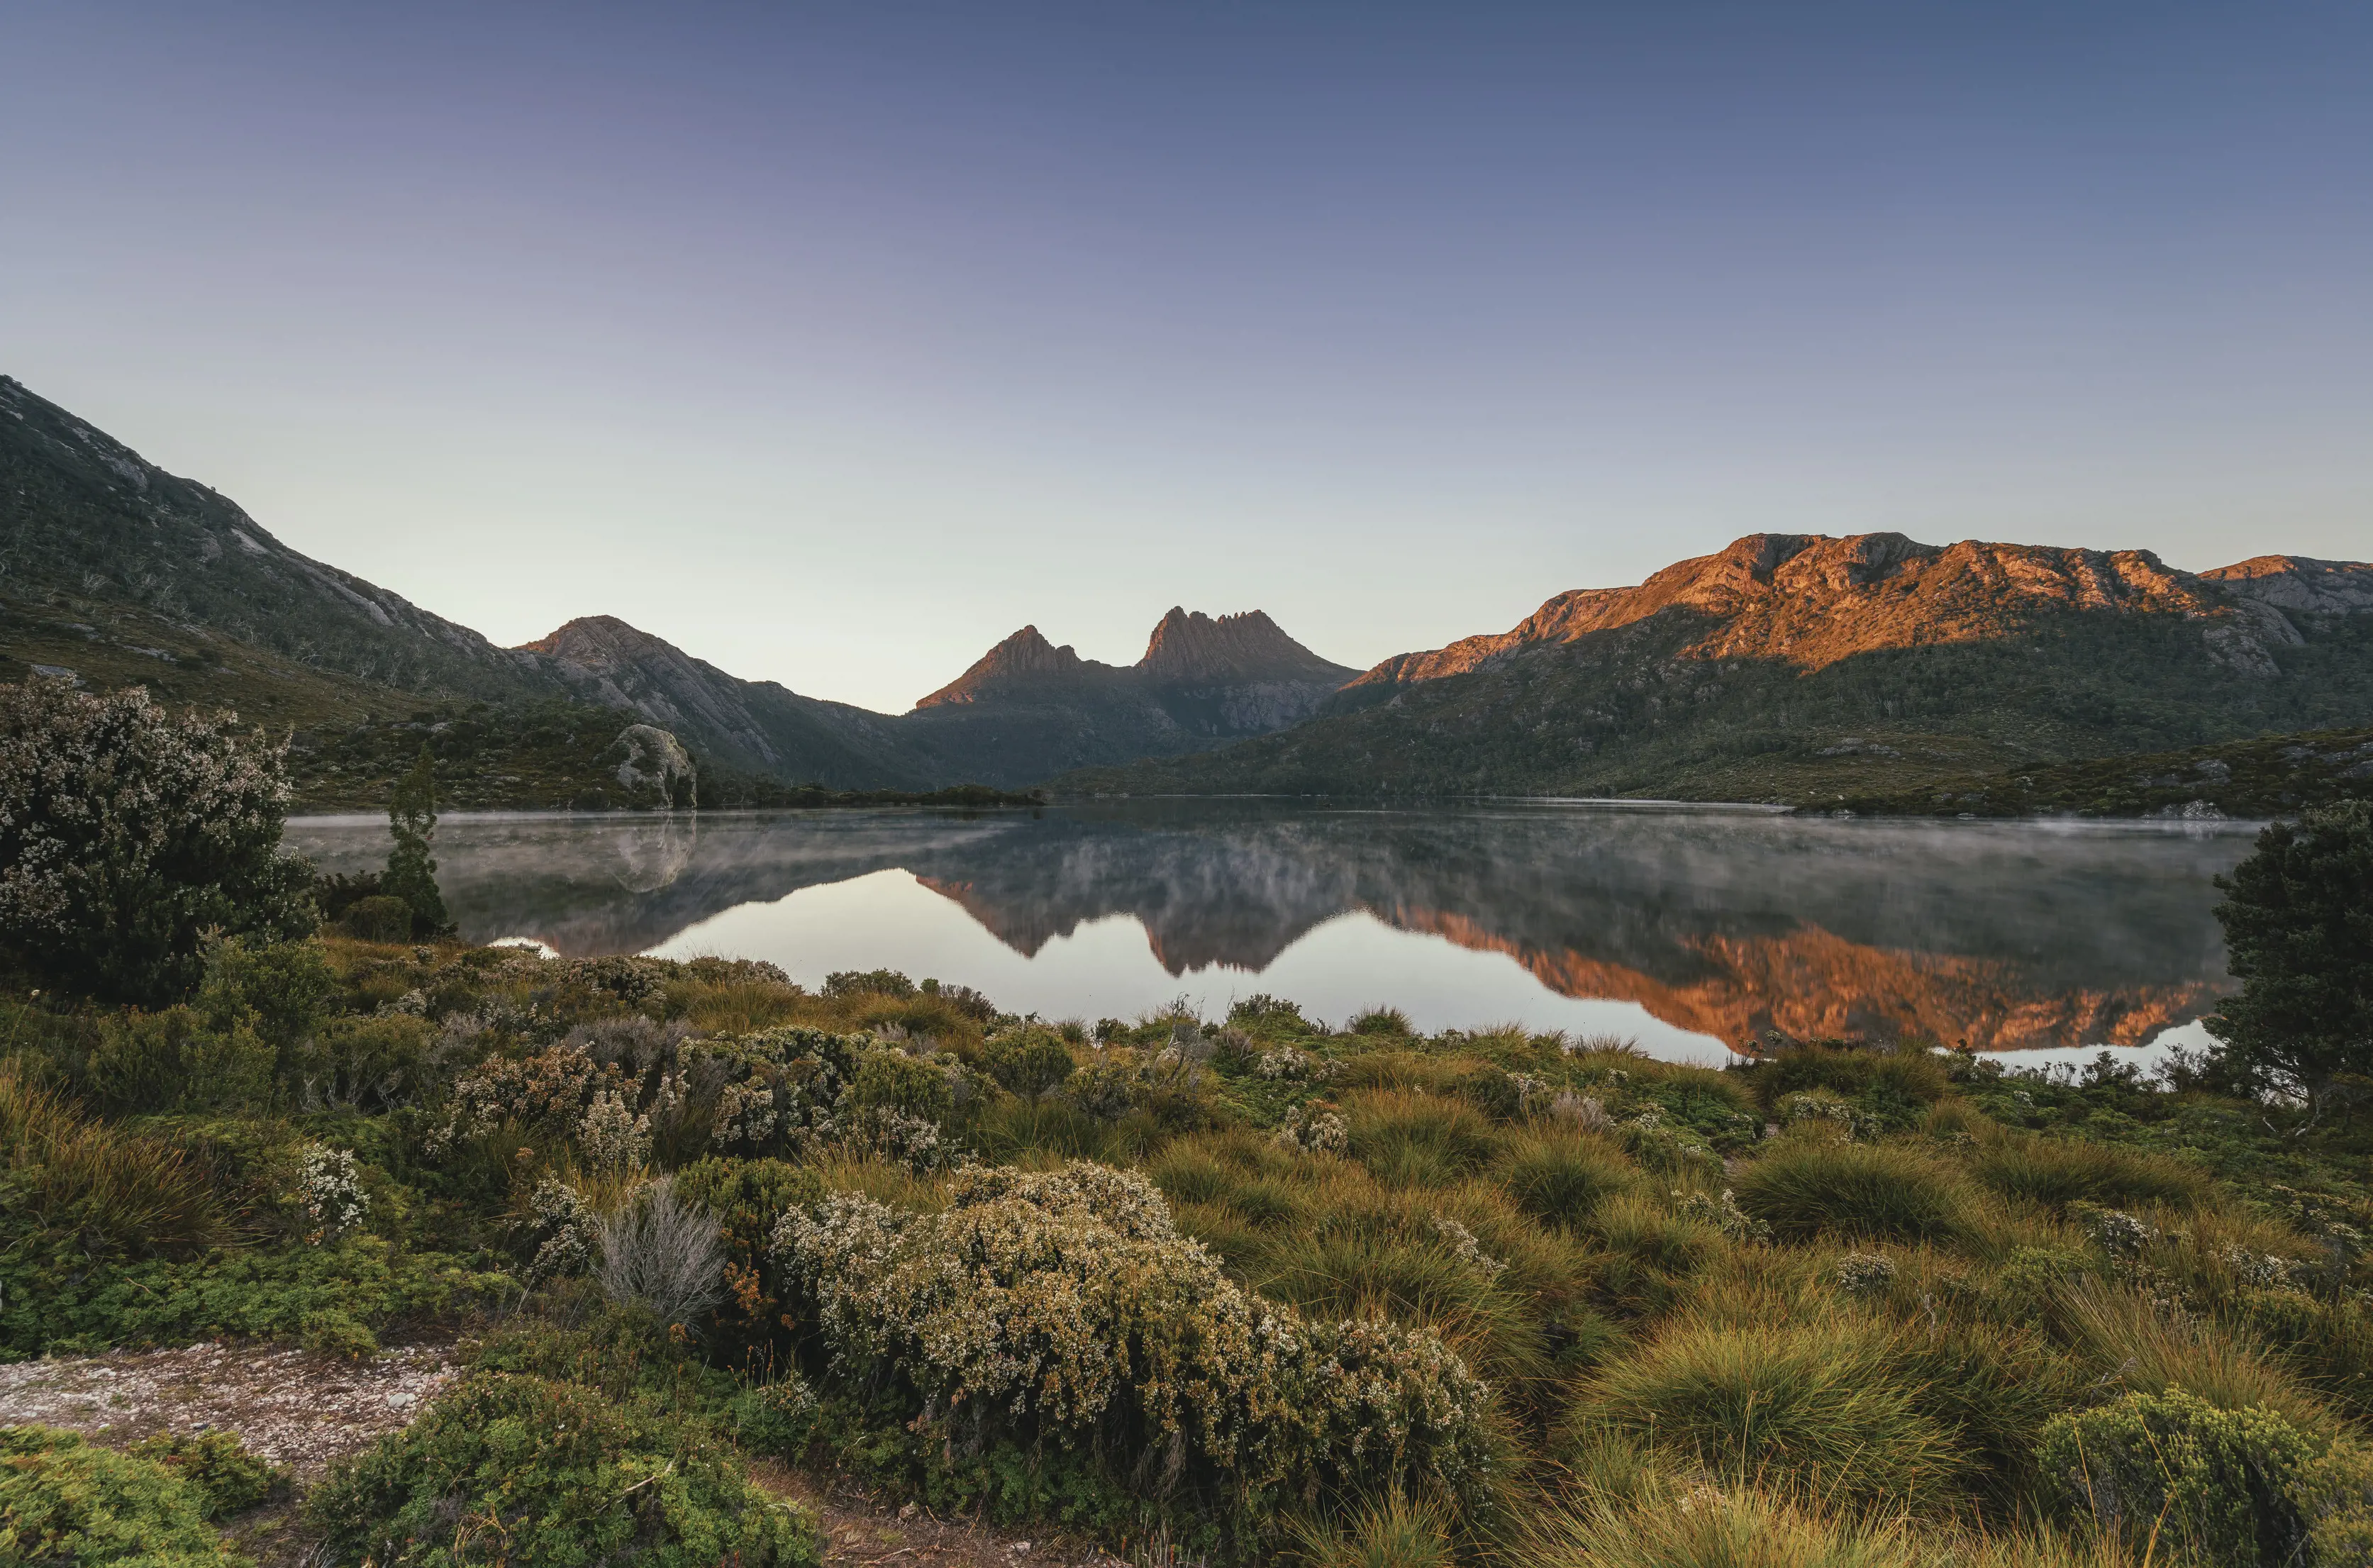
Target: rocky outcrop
1814,601
656,765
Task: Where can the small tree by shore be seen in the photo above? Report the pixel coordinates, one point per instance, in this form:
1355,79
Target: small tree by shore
2298,924
127,834
410,870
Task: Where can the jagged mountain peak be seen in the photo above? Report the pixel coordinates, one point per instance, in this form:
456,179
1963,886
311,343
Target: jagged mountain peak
1024,660
1196,649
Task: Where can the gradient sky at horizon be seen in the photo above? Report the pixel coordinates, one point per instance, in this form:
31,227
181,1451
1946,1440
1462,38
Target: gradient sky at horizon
833,343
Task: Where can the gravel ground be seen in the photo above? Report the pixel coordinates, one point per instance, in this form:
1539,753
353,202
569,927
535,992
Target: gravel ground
300,1409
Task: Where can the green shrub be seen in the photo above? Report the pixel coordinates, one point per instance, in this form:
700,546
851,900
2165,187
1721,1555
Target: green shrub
126,833
2298,932
217,1466
381,917
175,1060
2228,1486
332,1298
2058,1172
1823,1409
778,1418
67,1501
1029,1062
1560,1176
368,1063
527,1472
747,1197
276,989
1804,1189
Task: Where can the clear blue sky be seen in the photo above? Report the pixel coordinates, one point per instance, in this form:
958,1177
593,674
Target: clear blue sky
834,342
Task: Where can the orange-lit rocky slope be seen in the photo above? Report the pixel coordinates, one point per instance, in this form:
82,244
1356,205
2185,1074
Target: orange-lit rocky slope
1813,599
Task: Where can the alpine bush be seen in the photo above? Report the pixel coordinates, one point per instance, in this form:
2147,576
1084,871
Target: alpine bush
526,1472
126,833
69,1501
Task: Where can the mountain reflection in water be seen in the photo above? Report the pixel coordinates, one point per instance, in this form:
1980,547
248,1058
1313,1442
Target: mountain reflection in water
1721,923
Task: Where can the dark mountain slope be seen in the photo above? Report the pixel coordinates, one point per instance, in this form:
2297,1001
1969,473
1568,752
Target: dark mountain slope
84,516
758,726
1788,667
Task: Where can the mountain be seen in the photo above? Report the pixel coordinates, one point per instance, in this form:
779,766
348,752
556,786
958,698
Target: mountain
1804,667
756,726
1027,708
85,516
119,573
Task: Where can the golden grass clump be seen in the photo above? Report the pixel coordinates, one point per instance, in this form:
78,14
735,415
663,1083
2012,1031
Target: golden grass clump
1810,1184
138,1194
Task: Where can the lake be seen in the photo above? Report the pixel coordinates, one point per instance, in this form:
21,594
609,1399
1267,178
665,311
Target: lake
1688,929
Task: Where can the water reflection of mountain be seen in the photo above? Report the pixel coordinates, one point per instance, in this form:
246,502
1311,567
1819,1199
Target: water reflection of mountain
1726,924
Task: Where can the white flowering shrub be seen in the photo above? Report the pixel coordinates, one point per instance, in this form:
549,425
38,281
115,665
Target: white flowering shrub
1290,1065
1866,1273
1582,1110
564,1229
126,833
1811,1105
1723,1213
1467,1249
1315,1131
612,1134
329,1190
1066,1300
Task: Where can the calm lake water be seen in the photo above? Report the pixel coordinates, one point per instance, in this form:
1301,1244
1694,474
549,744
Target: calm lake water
1688,929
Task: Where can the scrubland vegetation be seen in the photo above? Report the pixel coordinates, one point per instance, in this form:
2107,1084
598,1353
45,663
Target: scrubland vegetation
1252,1288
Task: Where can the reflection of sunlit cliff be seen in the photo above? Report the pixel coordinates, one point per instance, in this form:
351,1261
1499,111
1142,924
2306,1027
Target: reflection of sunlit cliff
1811,984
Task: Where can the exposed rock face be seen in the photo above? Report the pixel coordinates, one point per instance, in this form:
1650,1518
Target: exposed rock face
1021,663
1814,601
657,763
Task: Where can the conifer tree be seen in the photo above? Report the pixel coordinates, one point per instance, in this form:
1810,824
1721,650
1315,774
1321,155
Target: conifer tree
2298,927
411,872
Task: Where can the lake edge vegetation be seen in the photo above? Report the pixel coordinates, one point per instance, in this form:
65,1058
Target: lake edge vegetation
1252,1288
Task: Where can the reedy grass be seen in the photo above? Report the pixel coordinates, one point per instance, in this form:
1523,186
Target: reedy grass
2136,1343
2055,1173
1810,1183
132,1193
1417,1139
1823,1411
1560,1175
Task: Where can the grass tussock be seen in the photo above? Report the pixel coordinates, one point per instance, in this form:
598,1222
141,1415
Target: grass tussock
1815,1186
76,1177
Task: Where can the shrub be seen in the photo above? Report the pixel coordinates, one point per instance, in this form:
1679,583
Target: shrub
276,989
66,1501
381,917
2298,932
367,1064
662,1253
173,1062
1896,1080
1067,1304
522,1470
746,1197
1030,1062
867,982
126,833
1804,1189
217,1466
1816,1408
2240,1486
778,1418
1389,1021
2057,1173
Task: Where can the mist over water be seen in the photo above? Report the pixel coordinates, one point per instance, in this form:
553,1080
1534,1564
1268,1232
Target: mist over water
1685,929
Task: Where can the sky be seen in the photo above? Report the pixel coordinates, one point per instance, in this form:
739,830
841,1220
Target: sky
834,342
